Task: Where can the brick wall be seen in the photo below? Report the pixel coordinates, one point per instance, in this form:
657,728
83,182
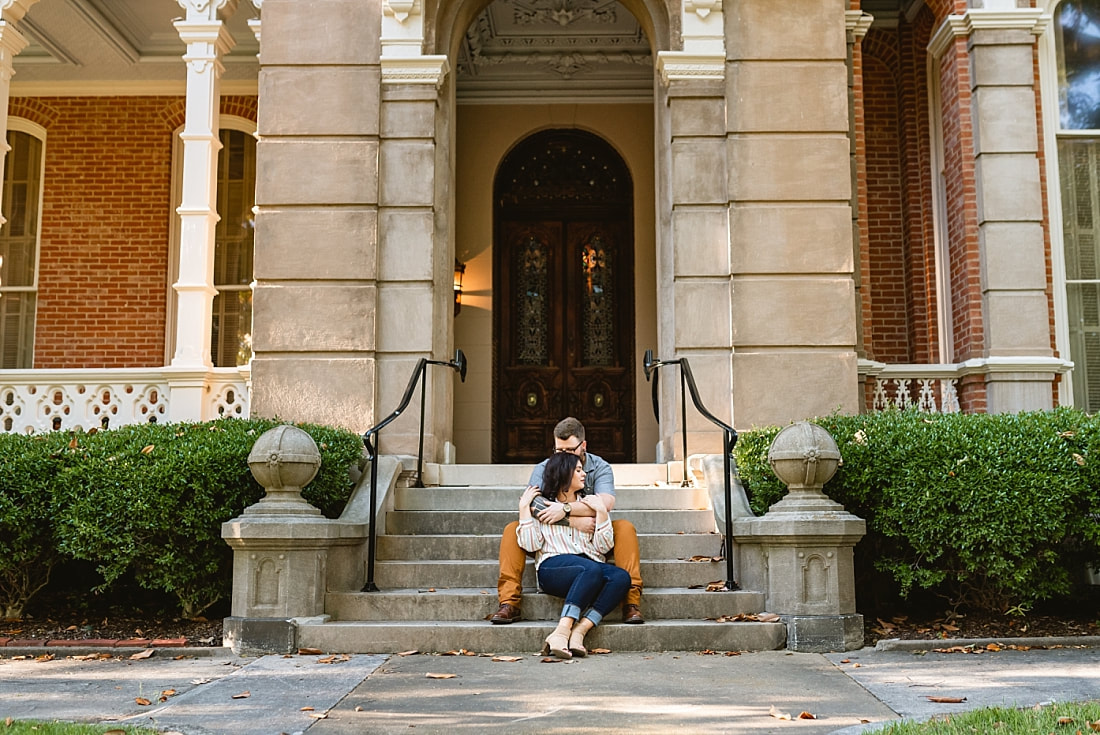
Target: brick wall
106,209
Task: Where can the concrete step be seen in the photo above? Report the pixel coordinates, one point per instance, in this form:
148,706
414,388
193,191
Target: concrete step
517,475
667,497
415,522
484,572
474,604
487,546
527,637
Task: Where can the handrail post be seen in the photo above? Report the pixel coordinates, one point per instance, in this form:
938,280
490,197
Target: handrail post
684,425
458,364
729,439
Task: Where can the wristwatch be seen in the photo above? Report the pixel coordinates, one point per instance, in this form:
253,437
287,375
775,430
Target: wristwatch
567,508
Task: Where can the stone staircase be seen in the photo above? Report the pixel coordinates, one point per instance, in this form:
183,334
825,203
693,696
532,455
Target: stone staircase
436,568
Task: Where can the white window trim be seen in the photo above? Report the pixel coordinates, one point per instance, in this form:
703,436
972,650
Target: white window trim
941,257
227,122
35,130
1048,91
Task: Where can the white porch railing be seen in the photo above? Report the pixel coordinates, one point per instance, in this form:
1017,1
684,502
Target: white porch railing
33,401
929,388
934,388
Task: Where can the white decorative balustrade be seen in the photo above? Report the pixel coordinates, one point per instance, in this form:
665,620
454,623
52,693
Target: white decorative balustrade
934,388
928,388
33,401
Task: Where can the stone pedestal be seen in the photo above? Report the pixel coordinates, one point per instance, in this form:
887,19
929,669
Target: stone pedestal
281,547
800,551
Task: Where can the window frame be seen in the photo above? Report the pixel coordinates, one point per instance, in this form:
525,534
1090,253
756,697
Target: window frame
225,122
23,125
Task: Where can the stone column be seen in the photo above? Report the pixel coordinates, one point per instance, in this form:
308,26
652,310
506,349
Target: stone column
789,191
11,43
207,41
996,99
699,318
315,298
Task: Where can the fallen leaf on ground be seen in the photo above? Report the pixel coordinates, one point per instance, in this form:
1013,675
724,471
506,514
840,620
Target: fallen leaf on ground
310,651
1065,720
1095,726
200,681
599,650
242,695
142,701
334,659
946,700
507,659
716,586
143,654
768,617
358,708
806,716
552,660
408,653
430,675
992,647
777,714
319,715
306,709
845,660
43,658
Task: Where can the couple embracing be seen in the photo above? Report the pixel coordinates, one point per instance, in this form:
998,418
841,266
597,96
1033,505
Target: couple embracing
564,520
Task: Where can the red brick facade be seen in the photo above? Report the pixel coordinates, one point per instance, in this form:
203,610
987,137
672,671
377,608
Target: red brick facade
106,216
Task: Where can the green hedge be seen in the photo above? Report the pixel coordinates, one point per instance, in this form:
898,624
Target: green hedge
143,503
991,512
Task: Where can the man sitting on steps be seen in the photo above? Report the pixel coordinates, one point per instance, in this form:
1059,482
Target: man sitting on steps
599,479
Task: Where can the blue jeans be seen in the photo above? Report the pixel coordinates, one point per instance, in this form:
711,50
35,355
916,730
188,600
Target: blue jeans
587,585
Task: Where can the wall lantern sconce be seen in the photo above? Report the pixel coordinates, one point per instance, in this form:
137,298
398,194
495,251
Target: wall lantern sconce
460,269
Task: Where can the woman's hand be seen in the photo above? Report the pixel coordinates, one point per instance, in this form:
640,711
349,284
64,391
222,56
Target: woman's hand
597,505
525,500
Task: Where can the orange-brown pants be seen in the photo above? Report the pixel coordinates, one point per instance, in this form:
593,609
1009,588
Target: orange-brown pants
513,558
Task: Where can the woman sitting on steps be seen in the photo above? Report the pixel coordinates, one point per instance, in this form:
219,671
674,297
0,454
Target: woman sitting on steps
569,563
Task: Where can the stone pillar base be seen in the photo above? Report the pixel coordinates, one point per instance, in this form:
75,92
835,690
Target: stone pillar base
259,636
824,633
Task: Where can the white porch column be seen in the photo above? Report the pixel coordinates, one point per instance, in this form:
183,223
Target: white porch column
11,43
207,41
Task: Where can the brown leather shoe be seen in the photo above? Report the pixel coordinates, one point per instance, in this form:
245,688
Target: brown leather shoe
632,614
506,614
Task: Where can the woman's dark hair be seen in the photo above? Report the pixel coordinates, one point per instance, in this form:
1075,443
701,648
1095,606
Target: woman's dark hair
558,473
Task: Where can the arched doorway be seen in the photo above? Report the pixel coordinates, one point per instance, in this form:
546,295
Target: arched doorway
563,302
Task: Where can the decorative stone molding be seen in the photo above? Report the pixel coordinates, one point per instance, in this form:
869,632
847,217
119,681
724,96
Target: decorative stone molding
954,26
202,6
681,66
858,23
14,10
702,8
415,70
400,10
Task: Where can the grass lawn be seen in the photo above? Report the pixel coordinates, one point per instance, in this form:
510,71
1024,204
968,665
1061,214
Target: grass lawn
1069,718
36,727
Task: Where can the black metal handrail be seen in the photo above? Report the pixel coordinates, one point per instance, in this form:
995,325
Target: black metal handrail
729,439
371,435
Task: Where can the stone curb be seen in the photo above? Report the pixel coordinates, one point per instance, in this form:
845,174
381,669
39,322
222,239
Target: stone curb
93,642
122,651
898,644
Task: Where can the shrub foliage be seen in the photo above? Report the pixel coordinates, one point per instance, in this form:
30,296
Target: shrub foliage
143,503
991,512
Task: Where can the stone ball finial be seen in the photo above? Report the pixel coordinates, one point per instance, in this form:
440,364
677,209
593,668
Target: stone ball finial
804,455
284,460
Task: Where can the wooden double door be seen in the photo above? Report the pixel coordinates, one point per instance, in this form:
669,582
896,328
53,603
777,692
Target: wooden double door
563,298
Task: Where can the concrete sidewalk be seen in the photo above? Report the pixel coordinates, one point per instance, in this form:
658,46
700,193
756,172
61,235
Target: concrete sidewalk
205,691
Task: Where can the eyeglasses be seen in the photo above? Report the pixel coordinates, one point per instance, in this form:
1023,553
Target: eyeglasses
569,450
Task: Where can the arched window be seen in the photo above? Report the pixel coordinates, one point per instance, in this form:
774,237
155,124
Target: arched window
231,332
1077,38
231,326
22,199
